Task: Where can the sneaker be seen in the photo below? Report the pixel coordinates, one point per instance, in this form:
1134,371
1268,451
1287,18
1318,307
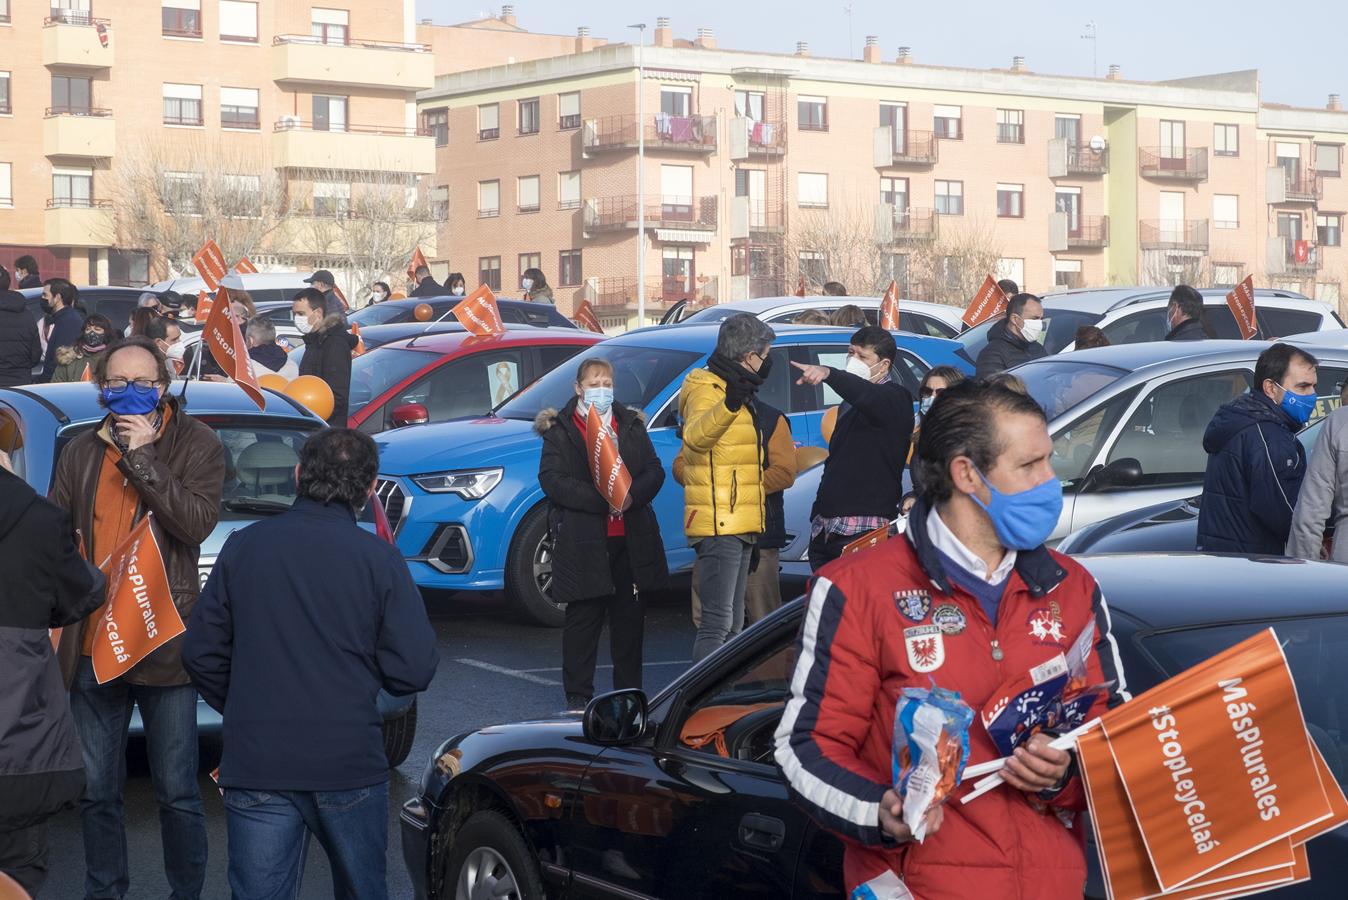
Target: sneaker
577,701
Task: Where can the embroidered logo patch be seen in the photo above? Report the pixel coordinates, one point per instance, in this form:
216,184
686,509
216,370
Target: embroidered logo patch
913,604
949,618
926,647
1044,627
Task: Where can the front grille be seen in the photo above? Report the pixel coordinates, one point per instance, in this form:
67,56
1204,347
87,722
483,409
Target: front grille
394,500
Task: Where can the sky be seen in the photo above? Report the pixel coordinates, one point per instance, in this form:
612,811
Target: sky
1299,53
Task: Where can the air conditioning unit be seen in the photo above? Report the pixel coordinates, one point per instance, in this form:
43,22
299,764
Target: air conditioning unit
289,122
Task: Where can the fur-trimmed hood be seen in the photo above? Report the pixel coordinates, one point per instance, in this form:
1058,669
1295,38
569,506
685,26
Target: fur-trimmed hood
66,355
551,416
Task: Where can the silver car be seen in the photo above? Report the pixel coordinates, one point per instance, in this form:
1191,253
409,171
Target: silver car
915,316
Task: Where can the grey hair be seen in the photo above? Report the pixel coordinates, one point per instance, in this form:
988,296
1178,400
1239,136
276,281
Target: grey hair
742,334
148,298
261,329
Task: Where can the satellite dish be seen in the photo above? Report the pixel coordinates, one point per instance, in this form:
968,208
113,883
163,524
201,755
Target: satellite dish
1097,143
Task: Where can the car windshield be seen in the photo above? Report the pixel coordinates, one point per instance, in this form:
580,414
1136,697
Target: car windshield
260,465
375,314
1060,329
640,375
376,371
1058,384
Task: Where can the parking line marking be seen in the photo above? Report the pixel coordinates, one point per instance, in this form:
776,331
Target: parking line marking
502,670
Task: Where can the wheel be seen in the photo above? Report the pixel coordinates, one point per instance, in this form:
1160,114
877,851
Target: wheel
399,733
529,572
491,860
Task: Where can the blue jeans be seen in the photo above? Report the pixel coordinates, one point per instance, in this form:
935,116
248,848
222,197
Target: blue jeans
102,716
269,841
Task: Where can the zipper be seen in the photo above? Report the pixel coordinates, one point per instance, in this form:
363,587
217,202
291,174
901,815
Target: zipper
711,468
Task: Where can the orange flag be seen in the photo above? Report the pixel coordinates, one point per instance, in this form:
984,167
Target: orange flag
245,267
889,308
340,296
586,318
989,303
1241,301
88,374
210,264
225,340
478,312
800,286
360,341
606,465
418,260
139,616
203,306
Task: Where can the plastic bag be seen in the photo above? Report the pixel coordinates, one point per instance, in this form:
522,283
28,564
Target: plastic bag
931,746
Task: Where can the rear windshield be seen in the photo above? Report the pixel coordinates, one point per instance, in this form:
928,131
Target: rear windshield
1058,384
376,314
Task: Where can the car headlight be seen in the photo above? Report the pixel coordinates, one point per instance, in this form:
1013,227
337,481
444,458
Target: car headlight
470,484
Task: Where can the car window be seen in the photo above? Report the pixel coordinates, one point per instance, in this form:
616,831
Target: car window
118,309
377,314
279,315
550,358
640,375
1138,327
1058,384
1317,654
469,386
716,313
917,323
1077,446
736,717
374,373
1275,322
274,295
776,390
1060,329
1165,431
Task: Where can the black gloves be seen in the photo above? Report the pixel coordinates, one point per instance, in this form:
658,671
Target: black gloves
740,383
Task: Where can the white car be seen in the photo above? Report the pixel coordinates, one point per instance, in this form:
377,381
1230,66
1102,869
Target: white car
915,316
262,286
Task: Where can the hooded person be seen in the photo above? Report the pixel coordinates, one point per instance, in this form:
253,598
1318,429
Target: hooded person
72,362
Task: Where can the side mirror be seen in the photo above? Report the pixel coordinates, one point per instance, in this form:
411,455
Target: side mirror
616,718
410,414
1121,473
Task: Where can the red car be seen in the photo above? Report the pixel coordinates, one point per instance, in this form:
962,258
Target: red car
438,377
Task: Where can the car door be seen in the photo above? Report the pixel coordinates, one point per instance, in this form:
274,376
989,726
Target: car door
465,386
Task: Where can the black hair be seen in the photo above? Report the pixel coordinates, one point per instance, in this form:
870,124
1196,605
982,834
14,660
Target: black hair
877,340
964,423
100,373
1273,363
1016,305
1189,301
313,297
453,277
384,285
338,465
539,279
27,263
98,320
422,272
68,293
141,319
4,279
1089,336
835,289
156,329
1009,287
949,374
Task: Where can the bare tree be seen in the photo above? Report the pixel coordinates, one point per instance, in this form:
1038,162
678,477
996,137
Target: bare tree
838,244
951,267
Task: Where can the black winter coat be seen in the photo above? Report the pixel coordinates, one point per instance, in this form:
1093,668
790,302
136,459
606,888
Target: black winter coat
428,288
578,515
327,354
20,348
30,281
1188,330
66,327
1005,351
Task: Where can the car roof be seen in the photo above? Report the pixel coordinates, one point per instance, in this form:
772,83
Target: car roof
1143,355
520,335
396,331
78,401
246,281
700,336
764,305
1103,300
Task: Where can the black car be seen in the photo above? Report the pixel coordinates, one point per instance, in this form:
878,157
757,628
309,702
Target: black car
681,797
518,312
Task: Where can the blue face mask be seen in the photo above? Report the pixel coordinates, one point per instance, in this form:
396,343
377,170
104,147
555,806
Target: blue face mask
601,398
1023,521
1299,406
130,400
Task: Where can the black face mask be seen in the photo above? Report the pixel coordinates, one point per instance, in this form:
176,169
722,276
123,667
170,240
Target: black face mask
47,308
765,368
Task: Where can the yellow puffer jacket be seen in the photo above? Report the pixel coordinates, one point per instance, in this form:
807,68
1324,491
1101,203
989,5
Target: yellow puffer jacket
723,463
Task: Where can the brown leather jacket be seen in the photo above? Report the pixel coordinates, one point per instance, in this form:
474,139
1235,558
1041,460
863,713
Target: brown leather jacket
179,478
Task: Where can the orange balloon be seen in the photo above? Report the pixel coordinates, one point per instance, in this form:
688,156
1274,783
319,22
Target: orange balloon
397,295
312,392
273,381
423,312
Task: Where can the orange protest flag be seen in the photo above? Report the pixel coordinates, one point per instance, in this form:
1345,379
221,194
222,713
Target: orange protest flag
478,312
418,260
245,267
800,286
87,374
988,303
868,540
606,464
210,264
226,343
1241,301
139,616
889,308
340,296
360,341
586,318
203,311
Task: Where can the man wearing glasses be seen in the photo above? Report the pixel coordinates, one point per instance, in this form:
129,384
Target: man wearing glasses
147,456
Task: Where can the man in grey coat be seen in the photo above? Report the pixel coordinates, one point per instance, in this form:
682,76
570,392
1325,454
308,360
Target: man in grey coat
1324,491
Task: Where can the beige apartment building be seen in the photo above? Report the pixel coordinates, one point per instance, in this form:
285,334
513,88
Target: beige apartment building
761,168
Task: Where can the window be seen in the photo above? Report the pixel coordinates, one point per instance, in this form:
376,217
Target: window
4,10
1067,126
568,110
1225,211
331,198
1067,200
182,18
1010,201
676,100
749,104
1226,275
128,268
464,387
238,108
526,193
1172,139
5,108
238,21
1010,126
489,122
489,271
436,123
182,193
1329,230
749,701
812,113
72,187
677,271
568,268
329,113
1225,140
488,199
894,191
71,95
440,203
813,266
950,198
1328,292
529,261
1075,448
329,25
948,123
6,185
568,190
1327,159
528,116
676,189
1067,272
812,189
182,104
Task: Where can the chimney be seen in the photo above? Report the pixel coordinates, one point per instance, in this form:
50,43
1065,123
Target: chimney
664,35
706,38
1115,72
508,14
583,41
905,56
802,48
1018,64
1334,103
426,22
872,51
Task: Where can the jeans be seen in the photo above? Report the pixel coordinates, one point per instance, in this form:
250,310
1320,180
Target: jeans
269,841
626,615
825,548
722,573
762,589
23,856
102,716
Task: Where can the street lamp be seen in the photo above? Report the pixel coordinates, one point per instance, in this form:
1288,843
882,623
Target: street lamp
641,175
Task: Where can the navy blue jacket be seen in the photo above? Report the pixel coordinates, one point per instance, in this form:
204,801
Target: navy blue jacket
303,619
1255,467
65,332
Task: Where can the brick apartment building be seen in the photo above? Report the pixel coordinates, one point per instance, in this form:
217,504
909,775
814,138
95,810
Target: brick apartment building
749,156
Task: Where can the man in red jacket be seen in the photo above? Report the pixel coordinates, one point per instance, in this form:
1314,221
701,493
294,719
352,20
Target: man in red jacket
967,599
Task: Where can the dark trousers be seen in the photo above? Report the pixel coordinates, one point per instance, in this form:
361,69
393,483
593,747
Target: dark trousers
625,611
23,856
825,548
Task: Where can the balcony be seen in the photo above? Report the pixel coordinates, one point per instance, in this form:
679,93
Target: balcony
74,38
306,59
1067,158
908,148
78,223
79,132
750,217
677,134
1169,165
1090,233
694,218
1160,234
305,232
1293,186
752,138
897,225
1289,256
360,148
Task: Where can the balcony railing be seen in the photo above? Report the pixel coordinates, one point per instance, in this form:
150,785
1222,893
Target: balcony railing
1300,257
1073,158
1160,234
694,134
288,123
93,112
1091,232
620,213
767,137
330,41
1304,186
75,17
78,203
1183,165
895,224
905,148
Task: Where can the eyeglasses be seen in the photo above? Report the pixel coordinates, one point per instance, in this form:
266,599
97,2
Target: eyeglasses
117,385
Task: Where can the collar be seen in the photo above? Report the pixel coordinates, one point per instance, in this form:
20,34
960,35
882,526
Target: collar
1038,568
944,540
329,510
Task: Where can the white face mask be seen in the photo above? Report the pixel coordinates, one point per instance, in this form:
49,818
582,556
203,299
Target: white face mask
1031,329
302,324
526,284
458,291
858,368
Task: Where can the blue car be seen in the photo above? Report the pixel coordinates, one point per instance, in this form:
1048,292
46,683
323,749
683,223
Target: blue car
463,496
261,451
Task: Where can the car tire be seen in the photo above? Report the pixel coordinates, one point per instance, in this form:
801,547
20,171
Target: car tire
529,572
399,733
490,858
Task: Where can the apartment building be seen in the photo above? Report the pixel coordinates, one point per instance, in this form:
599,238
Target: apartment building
762,168
318,100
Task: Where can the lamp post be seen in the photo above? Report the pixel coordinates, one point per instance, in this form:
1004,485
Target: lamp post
641,175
